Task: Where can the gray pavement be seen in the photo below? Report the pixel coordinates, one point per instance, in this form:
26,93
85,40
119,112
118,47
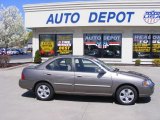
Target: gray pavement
19,104
21,58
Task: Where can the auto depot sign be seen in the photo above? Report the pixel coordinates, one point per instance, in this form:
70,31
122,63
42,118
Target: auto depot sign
93,17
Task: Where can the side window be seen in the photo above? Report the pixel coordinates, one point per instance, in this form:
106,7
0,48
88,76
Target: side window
61,64
85,65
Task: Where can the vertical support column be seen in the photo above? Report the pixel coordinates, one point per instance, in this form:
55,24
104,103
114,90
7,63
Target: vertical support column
78,44
127,47
35,42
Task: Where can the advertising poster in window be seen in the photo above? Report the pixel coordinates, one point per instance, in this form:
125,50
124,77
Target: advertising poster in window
92,44
141,45
103,45
156,43
112,40
112,45
64,44
47,45
155,46
141,42
93,40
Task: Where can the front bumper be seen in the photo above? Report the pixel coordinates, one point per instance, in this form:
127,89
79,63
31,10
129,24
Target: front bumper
147,91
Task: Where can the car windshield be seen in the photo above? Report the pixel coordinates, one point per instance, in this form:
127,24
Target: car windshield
104,65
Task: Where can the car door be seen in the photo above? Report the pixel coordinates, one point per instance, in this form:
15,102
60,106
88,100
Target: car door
88,80
60,73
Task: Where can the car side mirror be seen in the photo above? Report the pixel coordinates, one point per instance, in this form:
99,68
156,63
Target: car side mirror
101,71
116,69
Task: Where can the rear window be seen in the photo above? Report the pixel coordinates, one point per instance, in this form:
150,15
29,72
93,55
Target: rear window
61,64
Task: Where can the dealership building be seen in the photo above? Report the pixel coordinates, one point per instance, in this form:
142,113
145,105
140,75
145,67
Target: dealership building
115,31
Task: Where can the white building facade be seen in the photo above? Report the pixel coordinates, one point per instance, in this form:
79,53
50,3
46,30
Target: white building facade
116,32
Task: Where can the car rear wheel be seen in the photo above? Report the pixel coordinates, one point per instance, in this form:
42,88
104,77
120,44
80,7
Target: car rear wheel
126,95
44,91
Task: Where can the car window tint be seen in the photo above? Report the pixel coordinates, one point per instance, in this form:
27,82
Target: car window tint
85,65
61,64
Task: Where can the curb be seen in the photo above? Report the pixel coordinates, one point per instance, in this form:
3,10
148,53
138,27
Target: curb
18,66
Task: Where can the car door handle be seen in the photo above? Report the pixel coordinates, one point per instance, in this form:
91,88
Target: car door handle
79,76
47,74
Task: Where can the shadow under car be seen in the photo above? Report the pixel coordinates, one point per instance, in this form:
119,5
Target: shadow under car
84,98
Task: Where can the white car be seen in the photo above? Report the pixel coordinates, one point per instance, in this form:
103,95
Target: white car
1,52
9,52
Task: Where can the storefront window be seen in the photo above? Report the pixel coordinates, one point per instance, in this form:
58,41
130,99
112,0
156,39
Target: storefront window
52,44
103,45
47,45
93,44
112,45
146,46
64,44
156,45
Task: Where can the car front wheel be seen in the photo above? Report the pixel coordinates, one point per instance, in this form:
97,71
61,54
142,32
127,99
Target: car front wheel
126,95
44,91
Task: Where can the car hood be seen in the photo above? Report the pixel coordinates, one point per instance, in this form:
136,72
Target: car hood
134,74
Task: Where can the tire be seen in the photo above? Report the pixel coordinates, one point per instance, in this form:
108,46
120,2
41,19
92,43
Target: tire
44,91
126,95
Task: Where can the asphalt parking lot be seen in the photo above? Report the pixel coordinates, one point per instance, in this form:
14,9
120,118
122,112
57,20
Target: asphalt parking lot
21,58
19,104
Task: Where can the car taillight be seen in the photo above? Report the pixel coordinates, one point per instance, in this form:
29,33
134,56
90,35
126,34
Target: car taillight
22,76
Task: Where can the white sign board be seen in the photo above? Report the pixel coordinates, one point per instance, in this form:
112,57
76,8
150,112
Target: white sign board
93,17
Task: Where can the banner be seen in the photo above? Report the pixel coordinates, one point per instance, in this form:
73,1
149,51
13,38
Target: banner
141,42
108,39
47,45
64,44
156,43
93,40
112,40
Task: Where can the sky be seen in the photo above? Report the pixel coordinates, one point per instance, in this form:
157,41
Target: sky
19,3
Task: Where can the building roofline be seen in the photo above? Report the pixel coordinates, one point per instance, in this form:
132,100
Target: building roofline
91,5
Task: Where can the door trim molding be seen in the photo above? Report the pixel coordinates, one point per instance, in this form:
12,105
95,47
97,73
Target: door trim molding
87,85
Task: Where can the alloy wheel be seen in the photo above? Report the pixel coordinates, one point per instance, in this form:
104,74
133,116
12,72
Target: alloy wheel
126,95
43,91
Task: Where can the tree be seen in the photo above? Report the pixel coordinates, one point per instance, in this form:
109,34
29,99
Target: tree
29,35
11,26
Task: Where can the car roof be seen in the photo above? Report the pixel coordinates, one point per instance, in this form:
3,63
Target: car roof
73,56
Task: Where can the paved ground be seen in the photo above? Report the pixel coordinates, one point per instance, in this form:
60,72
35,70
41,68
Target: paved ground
21,58
18,104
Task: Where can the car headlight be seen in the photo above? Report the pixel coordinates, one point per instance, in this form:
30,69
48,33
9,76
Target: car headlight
147,83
